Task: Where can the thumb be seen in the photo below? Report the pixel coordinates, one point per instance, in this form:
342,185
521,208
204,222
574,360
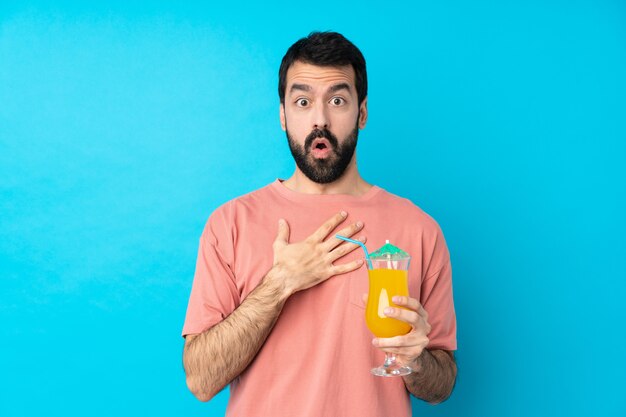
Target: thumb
283,232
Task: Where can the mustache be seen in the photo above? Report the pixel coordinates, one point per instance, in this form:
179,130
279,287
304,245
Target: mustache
321,133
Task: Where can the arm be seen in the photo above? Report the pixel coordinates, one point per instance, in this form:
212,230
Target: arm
218,355
435,376
435,370
214,358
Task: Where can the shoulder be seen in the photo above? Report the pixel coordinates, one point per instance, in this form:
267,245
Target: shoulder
409,212
224,217
421,230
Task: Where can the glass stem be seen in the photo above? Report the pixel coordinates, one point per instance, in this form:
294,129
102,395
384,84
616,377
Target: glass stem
390,360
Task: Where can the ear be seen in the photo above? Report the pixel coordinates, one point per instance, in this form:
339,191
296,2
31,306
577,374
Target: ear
283,124
363,114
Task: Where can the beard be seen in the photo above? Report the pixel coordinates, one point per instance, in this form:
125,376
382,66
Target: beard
327,170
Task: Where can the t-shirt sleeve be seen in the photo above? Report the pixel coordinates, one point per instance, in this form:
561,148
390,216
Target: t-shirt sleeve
437,300
214,293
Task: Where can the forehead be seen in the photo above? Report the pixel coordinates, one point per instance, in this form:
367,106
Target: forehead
316,76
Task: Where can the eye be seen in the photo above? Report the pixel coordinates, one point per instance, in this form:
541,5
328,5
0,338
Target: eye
337,101
302,102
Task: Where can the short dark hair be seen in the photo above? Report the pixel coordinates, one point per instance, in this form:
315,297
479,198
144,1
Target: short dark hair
325,49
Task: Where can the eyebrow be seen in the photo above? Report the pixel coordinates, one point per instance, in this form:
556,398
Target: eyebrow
332,89
340,86
301,87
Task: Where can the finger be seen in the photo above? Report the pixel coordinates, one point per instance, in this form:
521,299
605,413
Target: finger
349,231
408,302
348,267
404,355
412,304
329,225
344,249
423,313
408,316
408,340
282,237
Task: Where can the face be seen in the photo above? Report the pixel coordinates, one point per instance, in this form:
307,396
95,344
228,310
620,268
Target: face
322,118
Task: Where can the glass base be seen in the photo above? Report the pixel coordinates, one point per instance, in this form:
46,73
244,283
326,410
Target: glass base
391,370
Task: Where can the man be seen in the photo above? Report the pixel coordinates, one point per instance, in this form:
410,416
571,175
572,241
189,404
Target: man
277,304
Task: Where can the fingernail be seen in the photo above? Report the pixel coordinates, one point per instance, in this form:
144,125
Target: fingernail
362,238
359,224
375,342
343,214
396,299
281,222
388,310
360,262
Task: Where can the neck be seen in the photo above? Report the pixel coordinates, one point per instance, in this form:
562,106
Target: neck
350,183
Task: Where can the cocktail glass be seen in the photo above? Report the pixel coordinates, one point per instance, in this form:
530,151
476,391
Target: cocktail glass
388,277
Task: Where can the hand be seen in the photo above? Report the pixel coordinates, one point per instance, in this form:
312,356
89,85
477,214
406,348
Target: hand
304,264
409,347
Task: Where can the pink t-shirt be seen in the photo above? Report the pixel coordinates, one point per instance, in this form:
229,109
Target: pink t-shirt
316,360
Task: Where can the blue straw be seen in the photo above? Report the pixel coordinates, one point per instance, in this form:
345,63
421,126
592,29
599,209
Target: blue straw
367,255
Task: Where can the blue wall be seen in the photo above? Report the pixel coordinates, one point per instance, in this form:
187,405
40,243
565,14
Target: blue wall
123,127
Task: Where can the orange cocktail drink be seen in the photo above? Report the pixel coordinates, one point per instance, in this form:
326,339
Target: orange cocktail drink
384,284
388,271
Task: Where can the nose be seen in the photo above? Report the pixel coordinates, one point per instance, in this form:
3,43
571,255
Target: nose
319,116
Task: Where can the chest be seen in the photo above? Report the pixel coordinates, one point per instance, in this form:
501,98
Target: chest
254,255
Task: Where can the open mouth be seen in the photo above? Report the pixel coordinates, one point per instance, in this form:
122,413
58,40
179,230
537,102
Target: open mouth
320,148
